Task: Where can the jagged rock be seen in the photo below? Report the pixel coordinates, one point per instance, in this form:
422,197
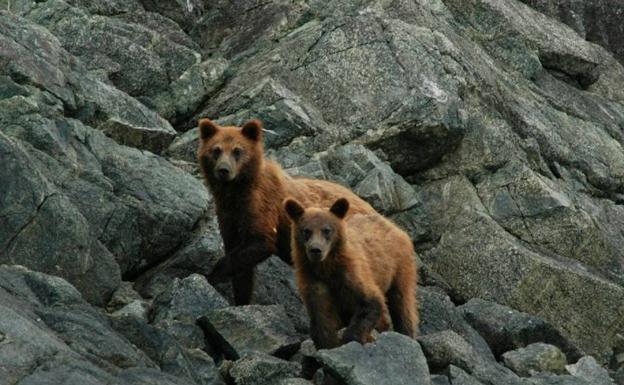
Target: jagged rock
588,369
448,348
235,331
535,358
506,329
275,285
178,307
161,347
438,313
263,369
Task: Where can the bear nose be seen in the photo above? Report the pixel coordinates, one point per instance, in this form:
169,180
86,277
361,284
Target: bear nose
223,172
315,252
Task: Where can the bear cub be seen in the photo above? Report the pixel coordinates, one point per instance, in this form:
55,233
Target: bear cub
352,272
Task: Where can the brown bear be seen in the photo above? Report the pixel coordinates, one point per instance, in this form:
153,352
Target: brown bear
249,191
352,272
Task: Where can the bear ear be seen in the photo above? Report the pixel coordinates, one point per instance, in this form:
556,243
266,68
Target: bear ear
253,130
293,209
207,128
340,208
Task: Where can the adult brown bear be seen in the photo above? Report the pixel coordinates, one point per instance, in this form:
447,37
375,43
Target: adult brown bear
249,191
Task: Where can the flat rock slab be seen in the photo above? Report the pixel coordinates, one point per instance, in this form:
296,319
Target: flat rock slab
392,359
241,330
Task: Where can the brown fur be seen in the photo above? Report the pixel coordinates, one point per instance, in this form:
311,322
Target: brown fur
252,221
368,272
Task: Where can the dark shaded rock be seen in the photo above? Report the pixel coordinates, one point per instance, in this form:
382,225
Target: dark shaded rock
235,331
197,256
392,359
448,348
438,313
506,329
275,285
535,358
262,369
589,370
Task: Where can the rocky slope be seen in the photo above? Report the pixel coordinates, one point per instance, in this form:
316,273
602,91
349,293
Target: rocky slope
491,132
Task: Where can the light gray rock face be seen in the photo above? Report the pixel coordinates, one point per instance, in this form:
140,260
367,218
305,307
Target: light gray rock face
392,359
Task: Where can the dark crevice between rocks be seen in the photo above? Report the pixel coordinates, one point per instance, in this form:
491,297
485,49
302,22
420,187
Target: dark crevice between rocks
188,121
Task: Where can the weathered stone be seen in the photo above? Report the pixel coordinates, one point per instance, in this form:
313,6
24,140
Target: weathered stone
236,331
535,358
392,359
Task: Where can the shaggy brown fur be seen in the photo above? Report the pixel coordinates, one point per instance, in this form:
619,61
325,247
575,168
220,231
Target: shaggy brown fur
248,191
351,272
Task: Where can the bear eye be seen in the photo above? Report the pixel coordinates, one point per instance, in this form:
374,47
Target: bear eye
326,231
237,152
216,151
307,233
